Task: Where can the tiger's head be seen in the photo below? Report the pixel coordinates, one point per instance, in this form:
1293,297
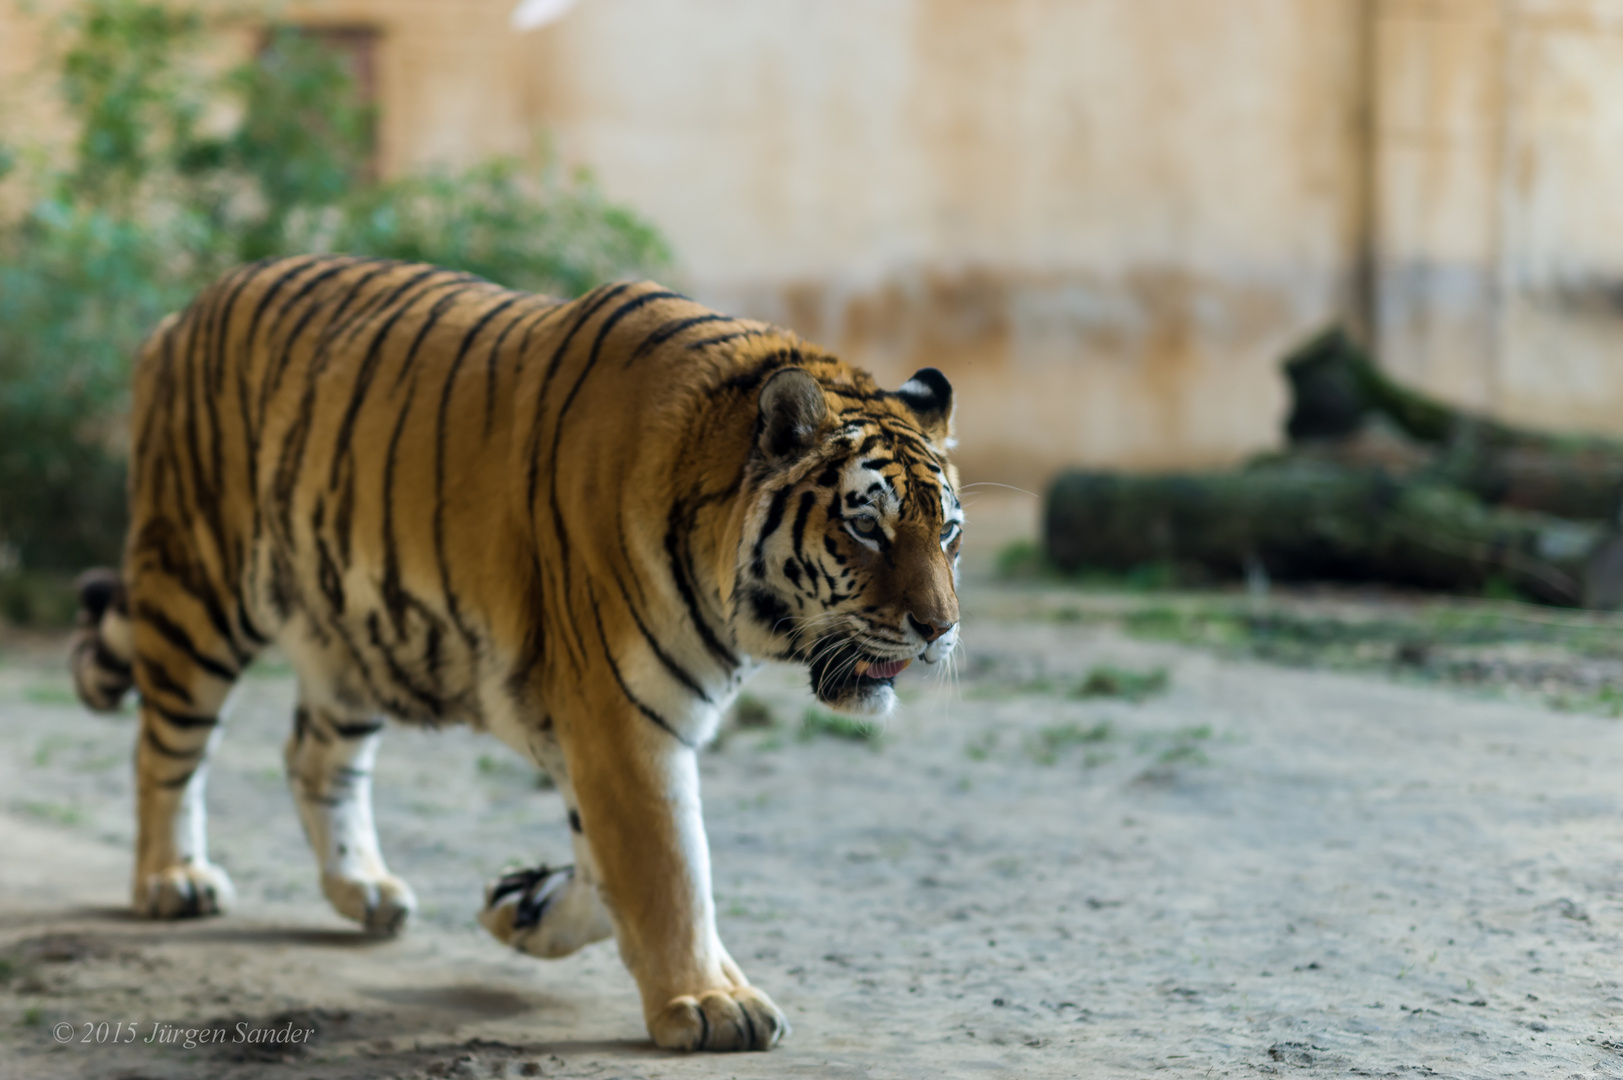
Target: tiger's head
848,560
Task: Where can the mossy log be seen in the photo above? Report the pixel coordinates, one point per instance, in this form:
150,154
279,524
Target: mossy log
1337,391
1309,521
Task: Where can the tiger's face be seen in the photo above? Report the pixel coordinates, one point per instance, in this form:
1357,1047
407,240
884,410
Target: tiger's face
849,556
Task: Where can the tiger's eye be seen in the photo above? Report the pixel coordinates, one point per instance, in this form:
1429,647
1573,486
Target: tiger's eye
948,532
865,526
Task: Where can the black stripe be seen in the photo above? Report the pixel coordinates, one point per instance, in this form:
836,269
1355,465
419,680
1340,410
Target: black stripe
747,381
150,736
180,781
440,439
394,595
719,339
402,678
179,720
430,321
536,318
603,330
774,518
589,306
162,680
670,330
290,461
293,268
104,657
678,672
362,383
684,587
245,622
357,730
614,668
176,635
807,500
271,381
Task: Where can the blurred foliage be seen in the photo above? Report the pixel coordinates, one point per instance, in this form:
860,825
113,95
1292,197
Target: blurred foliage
1108,680
177,171
816,723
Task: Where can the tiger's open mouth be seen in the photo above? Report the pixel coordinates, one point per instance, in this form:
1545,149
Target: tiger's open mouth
880,669
846,677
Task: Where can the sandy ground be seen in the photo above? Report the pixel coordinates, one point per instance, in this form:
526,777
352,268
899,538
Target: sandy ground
1260,870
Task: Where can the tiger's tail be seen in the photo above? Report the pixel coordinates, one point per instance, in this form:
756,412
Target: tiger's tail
103,648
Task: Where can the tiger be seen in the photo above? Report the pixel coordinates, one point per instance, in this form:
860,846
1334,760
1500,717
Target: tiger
577,525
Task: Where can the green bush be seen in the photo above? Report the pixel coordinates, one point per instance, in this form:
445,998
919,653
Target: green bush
148,203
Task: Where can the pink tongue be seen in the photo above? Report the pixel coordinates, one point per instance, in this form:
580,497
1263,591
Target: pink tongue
887,669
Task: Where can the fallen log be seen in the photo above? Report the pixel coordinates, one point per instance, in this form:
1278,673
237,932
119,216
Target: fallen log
1338,394
1304,520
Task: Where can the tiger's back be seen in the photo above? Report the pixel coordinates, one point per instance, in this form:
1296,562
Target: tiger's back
339,455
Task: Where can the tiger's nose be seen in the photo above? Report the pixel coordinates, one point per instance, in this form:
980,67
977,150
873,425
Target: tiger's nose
928,632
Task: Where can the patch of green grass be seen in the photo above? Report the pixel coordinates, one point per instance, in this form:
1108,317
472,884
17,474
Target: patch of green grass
57,813
33,1016
270,669
750,712
48,748
1607,701
1500,587
1025,560
981,746
993,690
7,969
1107,680
1022,559
1463,643
50,694
508,769
1046,746
1184,746
815,723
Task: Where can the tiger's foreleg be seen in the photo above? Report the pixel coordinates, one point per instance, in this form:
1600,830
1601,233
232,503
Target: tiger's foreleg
638,789
329,769
549,911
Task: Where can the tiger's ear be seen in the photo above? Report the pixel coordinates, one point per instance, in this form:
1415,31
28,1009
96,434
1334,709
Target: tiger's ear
792,413
929,395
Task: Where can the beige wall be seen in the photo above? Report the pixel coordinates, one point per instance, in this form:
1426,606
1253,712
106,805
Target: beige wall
1105,219
1500,204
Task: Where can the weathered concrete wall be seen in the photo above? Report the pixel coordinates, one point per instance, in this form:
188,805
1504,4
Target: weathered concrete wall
1105,219
1499,155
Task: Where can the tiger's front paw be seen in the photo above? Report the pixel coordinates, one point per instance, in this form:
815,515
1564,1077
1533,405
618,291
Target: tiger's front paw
544,912
185,891
382,904
740,1018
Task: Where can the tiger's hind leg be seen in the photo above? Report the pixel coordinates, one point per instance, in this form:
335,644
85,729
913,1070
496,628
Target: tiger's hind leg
184,672
173,876
549,911
329,768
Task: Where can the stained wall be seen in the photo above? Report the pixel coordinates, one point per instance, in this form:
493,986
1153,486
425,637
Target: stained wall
1104,219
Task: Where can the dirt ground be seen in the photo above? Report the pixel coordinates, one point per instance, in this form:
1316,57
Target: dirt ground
1255,869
